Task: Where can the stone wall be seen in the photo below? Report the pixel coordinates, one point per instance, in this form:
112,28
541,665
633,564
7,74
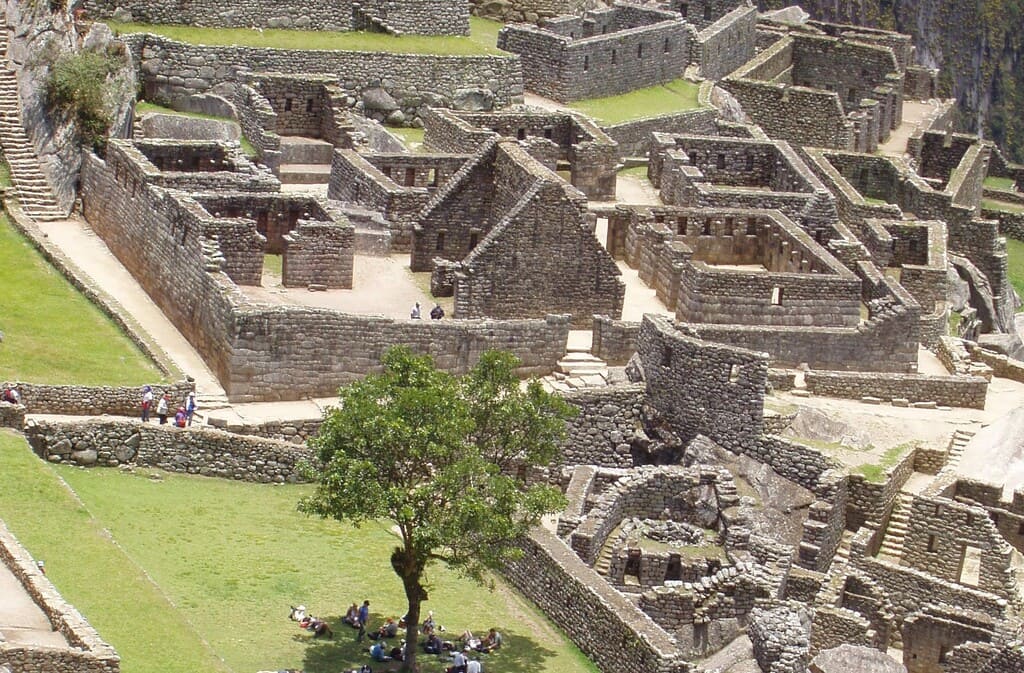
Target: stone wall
318,254
608,627
781,643
609,421
703,388
531,11
870,501
953,391
12,415
614,341
930,633
39,398
726,44
425,17
634,137
169,72
640,48
86,651
194,450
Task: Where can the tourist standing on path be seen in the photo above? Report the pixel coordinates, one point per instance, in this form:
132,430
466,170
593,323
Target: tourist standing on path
147,403
162,407
190,406
437,312
415,312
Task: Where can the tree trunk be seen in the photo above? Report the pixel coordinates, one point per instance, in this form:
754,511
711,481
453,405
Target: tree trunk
410,569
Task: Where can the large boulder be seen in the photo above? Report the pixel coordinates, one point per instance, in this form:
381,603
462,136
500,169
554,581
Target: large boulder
379,100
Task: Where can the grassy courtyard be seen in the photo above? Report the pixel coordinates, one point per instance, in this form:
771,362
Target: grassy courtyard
480,42
654,101
187,573
1015,264
993,182
52,333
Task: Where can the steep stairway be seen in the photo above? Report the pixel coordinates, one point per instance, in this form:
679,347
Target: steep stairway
34,193
892,543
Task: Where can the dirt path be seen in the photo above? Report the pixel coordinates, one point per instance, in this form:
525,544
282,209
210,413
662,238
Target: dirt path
914,112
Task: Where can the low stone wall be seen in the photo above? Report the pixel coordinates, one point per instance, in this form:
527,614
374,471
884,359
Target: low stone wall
1011,225
87,653
634,137
608,627
796,462
870,501
94,400
1002,366
294,431
614,341
212,453
12,415
954,391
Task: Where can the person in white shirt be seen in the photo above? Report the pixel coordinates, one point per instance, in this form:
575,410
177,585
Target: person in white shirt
474,666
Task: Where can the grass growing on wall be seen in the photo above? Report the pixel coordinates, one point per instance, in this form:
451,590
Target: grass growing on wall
875,473
992,204
54,334
225,560
319,40
675,96
1015,264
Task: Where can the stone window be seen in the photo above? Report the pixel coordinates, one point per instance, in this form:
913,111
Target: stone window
720,163
586,63
674,570
666,355
309,105
943,651
386,171
684,9
1020,528
548,132
681,225
604,30
287,104
440,241
432,177
706,229
410,177
729,224
751,226
474,238
615,55
750,162
852,97
640,50
184,233
933,544
668,46
693,157
707,12
776,296
734,373
521,134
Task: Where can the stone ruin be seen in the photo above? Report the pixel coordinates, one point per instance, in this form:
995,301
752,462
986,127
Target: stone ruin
787,245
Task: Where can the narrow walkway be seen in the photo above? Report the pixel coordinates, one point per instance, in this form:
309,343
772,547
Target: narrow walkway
22,622
91,255
914,112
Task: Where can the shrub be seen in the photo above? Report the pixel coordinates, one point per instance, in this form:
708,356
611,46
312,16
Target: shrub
77,86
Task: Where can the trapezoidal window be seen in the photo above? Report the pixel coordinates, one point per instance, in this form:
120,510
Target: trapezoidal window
615,56
666,355
750,162
720,162
410,177
440,241
681,225
521,134
706,229
734,373
287,104
548,132
776,296
432,177
751,226
586,63
640,50
692,156
684,9
474,238
309,105
933,544
707,12
668,46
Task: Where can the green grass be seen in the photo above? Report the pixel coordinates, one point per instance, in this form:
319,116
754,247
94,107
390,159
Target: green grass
953,323
654,101
273,264
638,172
5,174
52,333
485,31
992,204
1015,264
144,107
993,182
875,473
411,137
319,40
225,560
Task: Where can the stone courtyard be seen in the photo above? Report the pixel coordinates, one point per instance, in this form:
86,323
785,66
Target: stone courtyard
786,316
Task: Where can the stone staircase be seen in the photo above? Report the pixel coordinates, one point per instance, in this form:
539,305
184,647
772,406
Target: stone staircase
34,193
892,543
956,447
578,369
305,161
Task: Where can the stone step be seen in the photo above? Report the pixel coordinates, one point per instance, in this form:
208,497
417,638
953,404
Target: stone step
297,150
304,174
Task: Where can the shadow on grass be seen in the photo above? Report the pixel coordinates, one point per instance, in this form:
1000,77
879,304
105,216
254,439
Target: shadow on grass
521,653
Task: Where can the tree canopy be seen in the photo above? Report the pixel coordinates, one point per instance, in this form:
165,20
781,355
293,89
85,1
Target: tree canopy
444,458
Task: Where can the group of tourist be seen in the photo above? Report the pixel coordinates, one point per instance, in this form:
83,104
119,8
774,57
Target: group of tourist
182,417
436,313
358,617
11,395
318,626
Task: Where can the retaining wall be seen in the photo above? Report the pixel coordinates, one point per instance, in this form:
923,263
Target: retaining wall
953,391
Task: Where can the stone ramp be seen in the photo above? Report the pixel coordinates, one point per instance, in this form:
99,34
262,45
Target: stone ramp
22,622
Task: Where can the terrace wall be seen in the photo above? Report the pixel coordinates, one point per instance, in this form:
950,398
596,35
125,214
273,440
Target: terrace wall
954,391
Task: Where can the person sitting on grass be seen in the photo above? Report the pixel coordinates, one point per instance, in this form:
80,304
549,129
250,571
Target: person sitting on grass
398,653
351,616
434,645
469,640
379,651
389,629
491,642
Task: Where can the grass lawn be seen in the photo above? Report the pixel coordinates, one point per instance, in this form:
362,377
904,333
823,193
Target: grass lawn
638,172
1015,264
5,174
210,567
663,99
485,31
411,137
52,333
144,107
993,182
273,265
875,473
322,40
992,204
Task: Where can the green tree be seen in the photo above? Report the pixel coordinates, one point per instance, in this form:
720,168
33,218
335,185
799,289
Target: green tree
443,458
